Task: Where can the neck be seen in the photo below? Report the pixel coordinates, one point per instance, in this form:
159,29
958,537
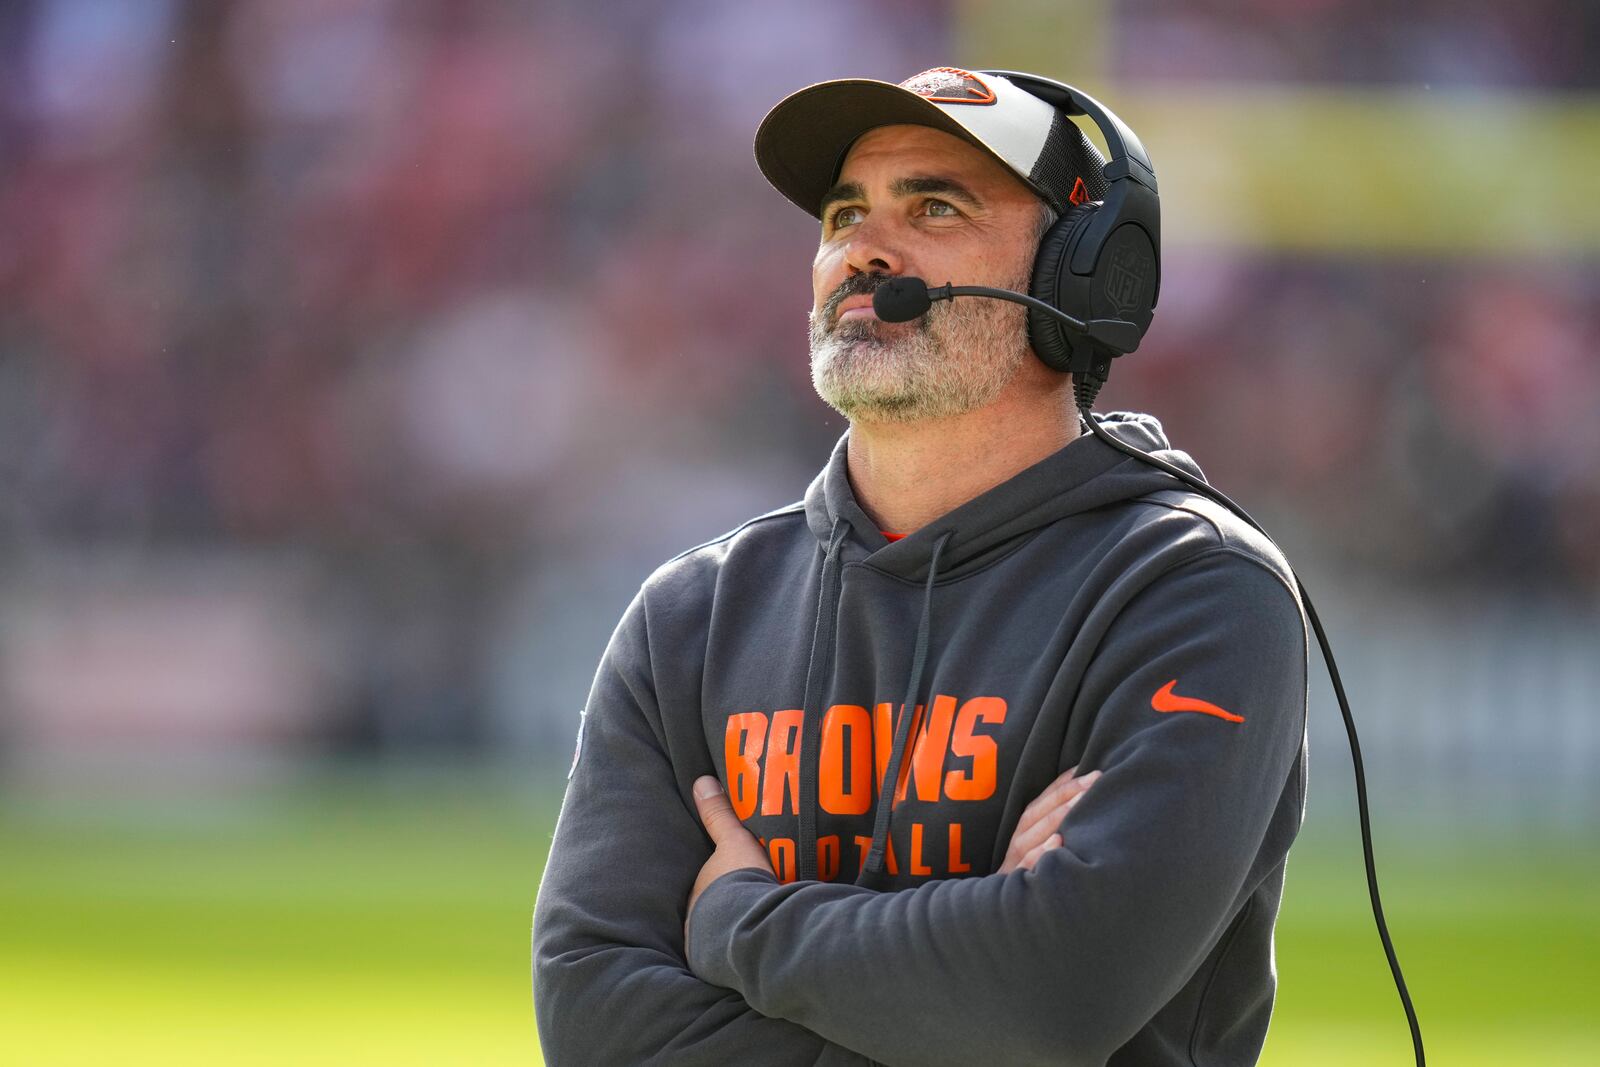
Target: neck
906,474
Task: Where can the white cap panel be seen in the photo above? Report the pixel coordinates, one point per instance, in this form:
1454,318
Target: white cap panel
1015,126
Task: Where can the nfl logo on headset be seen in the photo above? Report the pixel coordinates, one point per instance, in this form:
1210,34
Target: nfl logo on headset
1125,277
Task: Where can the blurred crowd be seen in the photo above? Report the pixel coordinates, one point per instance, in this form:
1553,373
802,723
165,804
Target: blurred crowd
477,309
1442,44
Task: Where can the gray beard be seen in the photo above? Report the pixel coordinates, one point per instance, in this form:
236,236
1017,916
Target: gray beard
957,358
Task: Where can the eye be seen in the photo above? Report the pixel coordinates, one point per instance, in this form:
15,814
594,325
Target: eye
844,216
941,209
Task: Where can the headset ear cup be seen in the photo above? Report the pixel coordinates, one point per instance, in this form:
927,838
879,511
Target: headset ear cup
1048,337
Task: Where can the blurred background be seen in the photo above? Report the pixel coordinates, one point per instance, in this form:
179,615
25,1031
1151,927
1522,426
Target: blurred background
359,358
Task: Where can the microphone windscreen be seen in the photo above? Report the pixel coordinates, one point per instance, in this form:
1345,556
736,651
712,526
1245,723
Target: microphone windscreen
901,299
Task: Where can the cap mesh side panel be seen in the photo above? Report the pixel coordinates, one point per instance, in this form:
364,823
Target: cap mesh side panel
1067,156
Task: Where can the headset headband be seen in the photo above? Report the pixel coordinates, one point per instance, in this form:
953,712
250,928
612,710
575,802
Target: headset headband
1127,154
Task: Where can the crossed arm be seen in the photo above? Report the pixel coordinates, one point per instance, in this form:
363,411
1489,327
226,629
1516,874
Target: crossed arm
736,848
613,991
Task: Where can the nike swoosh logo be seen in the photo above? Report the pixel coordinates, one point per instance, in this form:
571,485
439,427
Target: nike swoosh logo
1166,700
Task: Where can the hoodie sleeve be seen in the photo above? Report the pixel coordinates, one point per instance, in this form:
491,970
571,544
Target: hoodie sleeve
1063,964
611,985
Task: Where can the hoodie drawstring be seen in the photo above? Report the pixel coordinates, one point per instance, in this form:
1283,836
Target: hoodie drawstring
872,868
818,671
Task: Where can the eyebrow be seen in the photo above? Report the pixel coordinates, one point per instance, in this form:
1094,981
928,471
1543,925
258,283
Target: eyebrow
842,191
903,187
943,186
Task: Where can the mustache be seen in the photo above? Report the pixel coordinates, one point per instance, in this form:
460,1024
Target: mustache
856,285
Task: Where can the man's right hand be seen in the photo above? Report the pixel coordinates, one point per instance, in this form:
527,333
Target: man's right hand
1038,831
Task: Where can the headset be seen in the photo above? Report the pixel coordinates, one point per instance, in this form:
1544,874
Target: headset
1101,261
1098,260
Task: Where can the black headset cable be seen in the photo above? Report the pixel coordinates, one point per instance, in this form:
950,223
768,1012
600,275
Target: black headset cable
1338,690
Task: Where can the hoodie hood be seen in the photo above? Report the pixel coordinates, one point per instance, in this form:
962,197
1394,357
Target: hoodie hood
1084,474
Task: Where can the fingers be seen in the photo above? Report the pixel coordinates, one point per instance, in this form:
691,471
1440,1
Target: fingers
1057,793
1053,841
1028,837
716,814
1044,816
1044,807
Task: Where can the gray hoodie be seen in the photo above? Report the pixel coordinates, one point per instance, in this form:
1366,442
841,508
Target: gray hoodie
1089,611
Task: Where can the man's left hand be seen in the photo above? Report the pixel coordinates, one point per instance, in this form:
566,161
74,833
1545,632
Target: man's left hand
736,847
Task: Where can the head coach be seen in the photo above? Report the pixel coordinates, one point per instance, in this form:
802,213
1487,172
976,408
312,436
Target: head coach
991,749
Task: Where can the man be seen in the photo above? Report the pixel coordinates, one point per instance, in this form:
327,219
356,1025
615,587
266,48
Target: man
991,749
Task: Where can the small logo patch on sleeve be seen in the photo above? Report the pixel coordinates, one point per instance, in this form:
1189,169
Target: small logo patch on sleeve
1166,700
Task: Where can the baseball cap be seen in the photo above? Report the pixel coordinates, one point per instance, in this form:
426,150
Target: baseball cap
802,142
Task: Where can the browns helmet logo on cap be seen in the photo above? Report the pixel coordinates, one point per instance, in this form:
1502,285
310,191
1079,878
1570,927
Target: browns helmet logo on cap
950,85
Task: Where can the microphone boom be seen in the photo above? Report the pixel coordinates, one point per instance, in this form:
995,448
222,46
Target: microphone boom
906,297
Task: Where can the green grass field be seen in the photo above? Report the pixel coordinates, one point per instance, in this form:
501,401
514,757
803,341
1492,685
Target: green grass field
360,918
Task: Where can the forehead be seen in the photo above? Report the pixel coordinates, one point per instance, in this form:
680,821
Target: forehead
890,151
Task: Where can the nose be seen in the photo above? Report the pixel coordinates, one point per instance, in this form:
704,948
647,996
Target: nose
873,249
